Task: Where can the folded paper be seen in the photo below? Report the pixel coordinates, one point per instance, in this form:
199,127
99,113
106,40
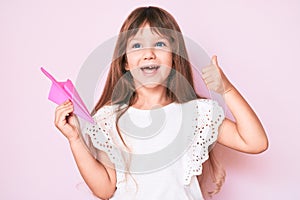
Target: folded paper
62,91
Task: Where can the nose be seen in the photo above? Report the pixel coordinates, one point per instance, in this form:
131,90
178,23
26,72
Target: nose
149,54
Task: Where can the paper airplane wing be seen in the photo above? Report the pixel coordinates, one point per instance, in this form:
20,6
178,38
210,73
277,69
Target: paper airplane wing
62,91
79,107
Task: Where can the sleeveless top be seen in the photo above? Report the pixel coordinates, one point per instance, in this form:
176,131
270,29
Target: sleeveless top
165,147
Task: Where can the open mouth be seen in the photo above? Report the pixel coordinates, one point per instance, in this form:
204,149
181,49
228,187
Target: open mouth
150,69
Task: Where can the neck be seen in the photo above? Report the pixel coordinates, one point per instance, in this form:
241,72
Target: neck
148,98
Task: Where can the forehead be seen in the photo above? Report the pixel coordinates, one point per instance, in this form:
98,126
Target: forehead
147,32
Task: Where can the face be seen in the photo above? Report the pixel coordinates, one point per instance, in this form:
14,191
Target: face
149,58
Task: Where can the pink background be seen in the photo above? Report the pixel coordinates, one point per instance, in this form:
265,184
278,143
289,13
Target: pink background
257,45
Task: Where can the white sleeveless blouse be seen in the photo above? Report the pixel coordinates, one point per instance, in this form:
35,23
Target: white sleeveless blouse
166,148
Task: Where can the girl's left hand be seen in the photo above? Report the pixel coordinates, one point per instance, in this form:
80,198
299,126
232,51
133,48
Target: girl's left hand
215,79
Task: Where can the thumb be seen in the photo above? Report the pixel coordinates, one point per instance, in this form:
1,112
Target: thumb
214,60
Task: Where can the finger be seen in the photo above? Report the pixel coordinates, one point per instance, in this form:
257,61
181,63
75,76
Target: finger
73,120
213,72
61,114
214,60
209,82
62,108
215,86
206,69
209,79
211,86
61,120
63,105
66,112
67,101
207,75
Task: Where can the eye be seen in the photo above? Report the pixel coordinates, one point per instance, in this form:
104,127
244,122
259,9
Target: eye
136,45
160,44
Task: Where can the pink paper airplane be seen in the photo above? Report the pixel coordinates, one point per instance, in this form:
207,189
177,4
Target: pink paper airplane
62,91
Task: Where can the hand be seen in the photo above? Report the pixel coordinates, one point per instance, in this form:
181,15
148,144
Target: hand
66,121
215,79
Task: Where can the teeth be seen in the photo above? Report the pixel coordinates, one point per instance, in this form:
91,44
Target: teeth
150,67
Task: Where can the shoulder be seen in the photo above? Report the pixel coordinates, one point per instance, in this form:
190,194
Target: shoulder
207,117
208,110
207,104
106,111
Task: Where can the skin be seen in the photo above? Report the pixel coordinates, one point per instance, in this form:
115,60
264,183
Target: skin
245,135
146,49
100,178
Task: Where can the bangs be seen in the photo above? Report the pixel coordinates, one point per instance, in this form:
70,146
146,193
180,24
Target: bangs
151,15
162,32
159,21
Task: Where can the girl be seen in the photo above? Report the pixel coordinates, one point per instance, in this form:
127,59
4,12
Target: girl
153,132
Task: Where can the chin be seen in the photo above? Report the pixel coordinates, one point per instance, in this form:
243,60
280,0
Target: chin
150,85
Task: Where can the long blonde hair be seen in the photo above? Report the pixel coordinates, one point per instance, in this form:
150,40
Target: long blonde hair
179,80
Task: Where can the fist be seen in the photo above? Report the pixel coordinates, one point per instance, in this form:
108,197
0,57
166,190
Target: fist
214,77
66,121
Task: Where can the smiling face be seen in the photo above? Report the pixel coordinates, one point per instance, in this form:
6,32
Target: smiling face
149,58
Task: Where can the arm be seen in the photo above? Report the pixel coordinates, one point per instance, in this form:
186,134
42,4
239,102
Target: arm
99,178
247,133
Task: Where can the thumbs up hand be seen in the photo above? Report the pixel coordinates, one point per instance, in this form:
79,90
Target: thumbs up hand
215,79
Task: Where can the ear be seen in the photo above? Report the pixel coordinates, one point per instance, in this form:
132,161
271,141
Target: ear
126,64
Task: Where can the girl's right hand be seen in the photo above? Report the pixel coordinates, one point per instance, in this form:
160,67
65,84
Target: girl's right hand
66,121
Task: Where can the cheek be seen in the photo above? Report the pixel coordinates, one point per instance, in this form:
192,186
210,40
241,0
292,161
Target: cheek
167,59
164,72
131,61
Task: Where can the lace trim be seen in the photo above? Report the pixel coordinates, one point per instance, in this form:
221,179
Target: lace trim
208,117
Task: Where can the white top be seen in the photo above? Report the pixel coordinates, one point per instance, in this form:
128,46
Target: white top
165,148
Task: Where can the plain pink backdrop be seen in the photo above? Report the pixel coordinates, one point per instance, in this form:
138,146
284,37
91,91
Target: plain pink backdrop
257,45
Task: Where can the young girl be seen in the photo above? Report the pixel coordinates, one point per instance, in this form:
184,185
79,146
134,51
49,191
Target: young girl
153,133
